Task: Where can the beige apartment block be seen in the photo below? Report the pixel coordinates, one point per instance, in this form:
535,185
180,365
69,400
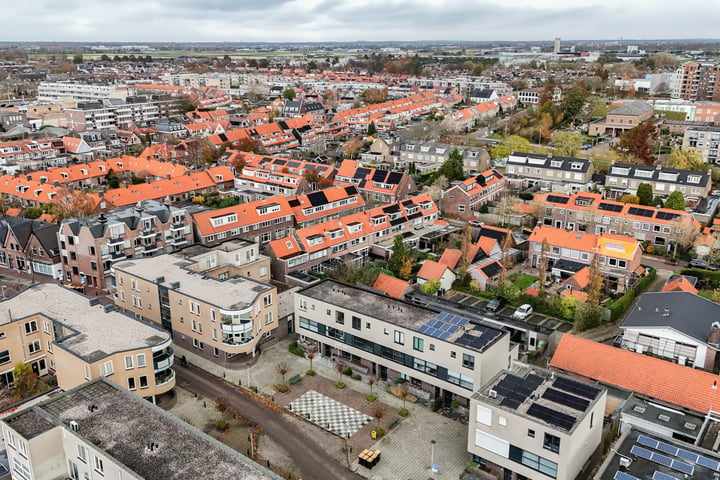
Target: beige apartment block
59,331
529,423
217,303
100,431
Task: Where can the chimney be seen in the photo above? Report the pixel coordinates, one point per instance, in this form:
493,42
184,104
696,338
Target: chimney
714,335
666,312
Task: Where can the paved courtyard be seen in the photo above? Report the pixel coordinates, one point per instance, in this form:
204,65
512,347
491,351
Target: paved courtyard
328,414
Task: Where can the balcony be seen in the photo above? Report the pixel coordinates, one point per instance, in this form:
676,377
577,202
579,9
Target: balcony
164,360
117,256
230,340
177,226
165,377
235,328
115,241
149,233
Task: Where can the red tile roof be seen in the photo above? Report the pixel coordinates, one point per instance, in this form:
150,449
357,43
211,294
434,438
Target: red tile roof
432,270
680,284
395,287
647,376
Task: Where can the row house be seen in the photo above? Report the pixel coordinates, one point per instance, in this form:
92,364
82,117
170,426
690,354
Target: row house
624,178
100,430
622,118
324,205
90,246
531,96
225,320
465,197
59,331
705,140
30,246
177,189
27,193
567,252
272,138
258,221
439,355
203,129
550,173
475,159
279,176
393,111
376,185
351,237
589,212
32,153
470,116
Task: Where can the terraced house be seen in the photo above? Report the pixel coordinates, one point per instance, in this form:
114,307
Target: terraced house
589,212
439,354
279,176
89,246
550,173
216,313
376,185
624,178
58,331
464,198
30,246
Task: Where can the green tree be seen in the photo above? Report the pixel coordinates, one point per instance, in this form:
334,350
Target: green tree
431,287
630,198
508,145
399,254
567,144
594,288
675,201
567,307
289,94
27,383
687,160
452,168
78,58
587,316
645,194
372,129
574,101
637,141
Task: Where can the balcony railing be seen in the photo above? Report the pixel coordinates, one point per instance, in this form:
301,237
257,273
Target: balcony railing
235,328
236,341
164,360
177,226
148,233
165,377
115,241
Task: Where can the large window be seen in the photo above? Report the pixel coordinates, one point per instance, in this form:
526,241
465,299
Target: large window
418,344
533,461
308,324
551,443
356,323
460,379
399,337
468,361
425,367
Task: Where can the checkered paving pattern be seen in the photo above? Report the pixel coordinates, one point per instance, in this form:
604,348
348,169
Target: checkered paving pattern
329,414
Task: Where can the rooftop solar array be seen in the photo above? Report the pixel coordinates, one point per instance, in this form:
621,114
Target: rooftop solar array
566,399
293,164
317,198
515,390
551,416
624,476
361,172
485,337
679,452
351,190
443,325
610,207
663,476
394,178
641,212
557,199
666,215
379,175
663,460
581,389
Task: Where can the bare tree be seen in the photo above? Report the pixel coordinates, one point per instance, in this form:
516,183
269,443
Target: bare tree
311,356
282,368
403,394
378,413
371,382
542,268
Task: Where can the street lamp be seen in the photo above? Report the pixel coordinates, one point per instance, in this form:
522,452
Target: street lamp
432,454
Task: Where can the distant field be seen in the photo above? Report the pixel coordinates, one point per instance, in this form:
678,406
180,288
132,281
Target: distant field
178,53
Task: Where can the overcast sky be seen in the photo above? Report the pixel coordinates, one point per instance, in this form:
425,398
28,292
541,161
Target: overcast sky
349,20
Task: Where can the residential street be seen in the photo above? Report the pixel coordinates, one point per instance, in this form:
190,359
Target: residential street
310,457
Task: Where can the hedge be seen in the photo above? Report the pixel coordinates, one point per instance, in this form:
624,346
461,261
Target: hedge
621,305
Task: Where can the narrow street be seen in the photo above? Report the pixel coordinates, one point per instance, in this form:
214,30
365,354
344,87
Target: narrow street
310,457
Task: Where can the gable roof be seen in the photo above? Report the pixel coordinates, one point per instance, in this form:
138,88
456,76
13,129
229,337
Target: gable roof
450,257
491,269
395,287
680,284
432,270
662,380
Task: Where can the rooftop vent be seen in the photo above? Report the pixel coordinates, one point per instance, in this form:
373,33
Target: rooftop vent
492,394
108,308
93,301
74,426
663,418
160,279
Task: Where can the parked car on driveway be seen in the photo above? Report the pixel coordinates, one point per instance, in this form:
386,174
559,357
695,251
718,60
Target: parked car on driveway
697,263
523,312
496,304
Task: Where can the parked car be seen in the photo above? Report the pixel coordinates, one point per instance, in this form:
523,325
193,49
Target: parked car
523,312
587,146
715,193
474,222
496,304
697,263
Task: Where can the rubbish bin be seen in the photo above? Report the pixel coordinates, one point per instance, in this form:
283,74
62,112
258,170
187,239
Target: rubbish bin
373,435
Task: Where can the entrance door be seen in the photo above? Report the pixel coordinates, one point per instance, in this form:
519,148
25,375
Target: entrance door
383,373
328,350
291,326
448,398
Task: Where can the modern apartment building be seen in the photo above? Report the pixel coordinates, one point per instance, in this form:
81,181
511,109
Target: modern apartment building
57,330
80,92
531,96
98,430
556,174
528,423
589,212
698,81
438,353
705,140
218,304
468,196
624,178
622,118
89,246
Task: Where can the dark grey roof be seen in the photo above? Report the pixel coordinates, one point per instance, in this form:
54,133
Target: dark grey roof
650,173
129,215
484,93
549,161
688,313
637,107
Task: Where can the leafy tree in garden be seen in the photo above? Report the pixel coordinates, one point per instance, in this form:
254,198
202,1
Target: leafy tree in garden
645,194
431,287
687,160
508,145
675,201
637,141
567,144
289,94
452,168
630,198
573,101
398,256
372,129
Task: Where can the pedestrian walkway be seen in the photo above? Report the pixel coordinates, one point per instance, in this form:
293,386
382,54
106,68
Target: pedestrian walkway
328,414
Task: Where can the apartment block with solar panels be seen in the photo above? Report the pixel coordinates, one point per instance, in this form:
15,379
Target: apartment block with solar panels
437,353
529,423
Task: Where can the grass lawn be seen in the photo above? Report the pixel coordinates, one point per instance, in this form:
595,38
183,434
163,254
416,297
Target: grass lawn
524,281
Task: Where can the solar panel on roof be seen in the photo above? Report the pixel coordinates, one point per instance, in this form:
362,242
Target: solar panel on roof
679,452
666,215
624,476
511,403
669,449
317,198
293,164
662,476
689,456
566,399
577,388
647,441
709,463
294,202
379,176
351,190
610,207
394,178
280,161
641,212
557,199
682,467
551,416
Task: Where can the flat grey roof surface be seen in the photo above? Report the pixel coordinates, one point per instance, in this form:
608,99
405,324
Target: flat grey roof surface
99,334
123,425
233,293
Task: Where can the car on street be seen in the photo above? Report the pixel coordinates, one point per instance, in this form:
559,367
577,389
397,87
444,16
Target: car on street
474,222
523,312
587,146
496,304
697,263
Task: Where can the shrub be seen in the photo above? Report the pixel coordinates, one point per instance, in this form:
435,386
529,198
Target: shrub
371,397
472,464
403,412
455,403
399,381
222,425
282,388
379,432
295,350
347,371
437,403
340,385
310,373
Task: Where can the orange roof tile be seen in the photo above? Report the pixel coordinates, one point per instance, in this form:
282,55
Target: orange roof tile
680,284
648,376
582,277
576,294
432,270
562,238
450,257
395,287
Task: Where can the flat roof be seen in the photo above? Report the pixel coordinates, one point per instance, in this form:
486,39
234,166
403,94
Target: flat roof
123,426
232,294
99,333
